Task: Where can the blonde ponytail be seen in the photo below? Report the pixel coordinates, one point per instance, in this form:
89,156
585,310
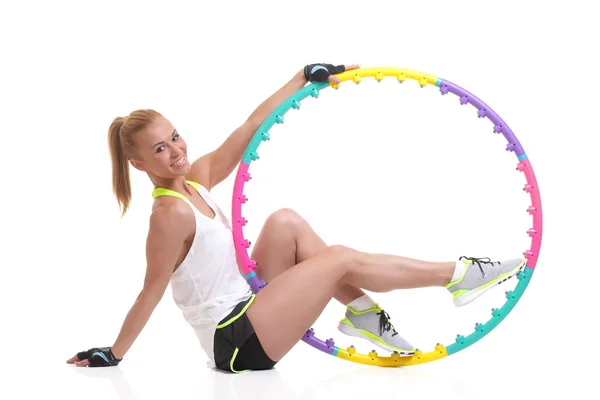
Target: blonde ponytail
120,165
121,145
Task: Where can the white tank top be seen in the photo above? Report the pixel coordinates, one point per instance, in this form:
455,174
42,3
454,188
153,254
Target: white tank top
208,284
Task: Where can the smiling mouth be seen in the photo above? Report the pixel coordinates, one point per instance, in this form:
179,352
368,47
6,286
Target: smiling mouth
180,161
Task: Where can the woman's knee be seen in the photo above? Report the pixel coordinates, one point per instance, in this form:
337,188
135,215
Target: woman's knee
285,218
342,256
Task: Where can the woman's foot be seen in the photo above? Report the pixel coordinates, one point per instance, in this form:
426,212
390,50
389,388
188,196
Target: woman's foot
374,325
475,276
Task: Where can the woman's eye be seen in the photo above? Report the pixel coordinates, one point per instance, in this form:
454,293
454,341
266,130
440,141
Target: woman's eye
160,149
176,136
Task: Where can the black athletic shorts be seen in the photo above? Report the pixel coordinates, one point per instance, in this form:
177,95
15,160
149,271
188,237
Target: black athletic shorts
236,347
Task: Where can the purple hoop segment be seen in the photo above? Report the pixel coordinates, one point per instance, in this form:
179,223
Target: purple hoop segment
484,111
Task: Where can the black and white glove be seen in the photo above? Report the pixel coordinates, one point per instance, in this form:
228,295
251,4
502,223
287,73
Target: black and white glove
321,72
99,357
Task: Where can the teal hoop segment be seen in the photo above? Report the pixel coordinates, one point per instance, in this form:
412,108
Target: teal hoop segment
276,117
498,314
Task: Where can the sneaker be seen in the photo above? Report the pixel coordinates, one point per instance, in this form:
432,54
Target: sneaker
479,276
375,326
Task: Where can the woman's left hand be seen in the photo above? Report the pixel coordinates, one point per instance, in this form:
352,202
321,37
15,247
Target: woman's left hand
95,357
321,72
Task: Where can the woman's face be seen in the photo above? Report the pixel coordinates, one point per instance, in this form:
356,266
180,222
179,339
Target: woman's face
160,150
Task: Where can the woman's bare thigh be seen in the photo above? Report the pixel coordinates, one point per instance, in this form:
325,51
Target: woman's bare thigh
290,304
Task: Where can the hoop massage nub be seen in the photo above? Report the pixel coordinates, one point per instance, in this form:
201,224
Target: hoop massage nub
328,346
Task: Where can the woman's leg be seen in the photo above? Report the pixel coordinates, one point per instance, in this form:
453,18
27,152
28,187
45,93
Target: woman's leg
285,240
291,302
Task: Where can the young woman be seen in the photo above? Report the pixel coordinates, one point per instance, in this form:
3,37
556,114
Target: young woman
190,246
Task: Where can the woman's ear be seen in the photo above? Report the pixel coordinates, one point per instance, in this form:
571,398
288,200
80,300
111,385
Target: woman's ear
137,165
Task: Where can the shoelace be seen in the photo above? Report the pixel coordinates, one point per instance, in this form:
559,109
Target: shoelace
384,323
479,261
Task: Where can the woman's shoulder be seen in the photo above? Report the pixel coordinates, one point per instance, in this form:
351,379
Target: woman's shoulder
170,227
170,213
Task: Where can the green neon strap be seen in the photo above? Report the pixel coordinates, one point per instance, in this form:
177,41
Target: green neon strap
224,324
233,360
168,192
196,185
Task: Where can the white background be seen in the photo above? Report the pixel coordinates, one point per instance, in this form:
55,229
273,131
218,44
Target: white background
377,166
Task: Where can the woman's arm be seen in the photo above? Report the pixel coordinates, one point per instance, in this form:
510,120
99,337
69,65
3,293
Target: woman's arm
169,227
218,164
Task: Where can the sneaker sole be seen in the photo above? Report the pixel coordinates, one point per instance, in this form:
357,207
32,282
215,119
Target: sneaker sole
475,293
350,331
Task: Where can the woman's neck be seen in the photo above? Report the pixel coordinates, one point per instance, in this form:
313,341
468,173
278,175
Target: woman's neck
179,185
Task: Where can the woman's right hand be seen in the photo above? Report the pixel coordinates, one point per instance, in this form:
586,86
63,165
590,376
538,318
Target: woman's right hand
95,357
322,72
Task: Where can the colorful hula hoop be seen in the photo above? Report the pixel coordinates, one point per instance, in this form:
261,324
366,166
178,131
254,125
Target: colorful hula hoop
248,266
